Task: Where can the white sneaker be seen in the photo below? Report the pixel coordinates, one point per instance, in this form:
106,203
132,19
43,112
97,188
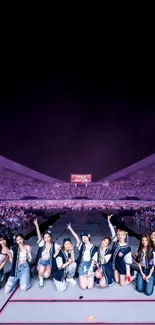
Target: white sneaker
41,281
70,280
134,276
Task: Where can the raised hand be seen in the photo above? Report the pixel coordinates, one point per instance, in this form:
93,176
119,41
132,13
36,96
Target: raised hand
109,217
69,226
35,222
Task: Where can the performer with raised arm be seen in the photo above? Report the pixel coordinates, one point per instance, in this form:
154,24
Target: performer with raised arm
86,260
65,266
20,255
104,272
121,256
44,259
146,262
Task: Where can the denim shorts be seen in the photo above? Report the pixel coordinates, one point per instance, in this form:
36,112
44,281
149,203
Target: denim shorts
84,268
22,277
44,262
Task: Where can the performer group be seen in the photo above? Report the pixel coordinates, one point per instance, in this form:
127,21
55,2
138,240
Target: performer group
100,266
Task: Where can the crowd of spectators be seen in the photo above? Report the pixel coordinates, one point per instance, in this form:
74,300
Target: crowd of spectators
12,189
16,191
78,204
145,219
17,215
14,218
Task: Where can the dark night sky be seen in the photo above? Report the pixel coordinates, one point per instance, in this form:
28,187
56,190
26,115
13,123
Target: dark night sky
93,115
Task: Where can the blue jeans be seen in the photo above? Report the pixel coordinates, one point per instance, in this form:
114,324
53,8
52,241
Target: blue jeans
143,286
154,277
23,277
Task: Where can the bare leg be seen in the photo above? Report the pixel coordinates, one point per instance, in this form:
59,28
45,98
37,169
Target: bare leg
83,282
41,269
103,282
90,282
123,280
117,277
47,272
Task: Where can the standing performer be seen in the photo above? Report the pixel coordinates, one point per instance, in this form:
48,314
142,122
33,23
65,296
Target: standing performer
86,260
122,258
44,259
145,260
152,240
104,273
65,266
4,255
20,271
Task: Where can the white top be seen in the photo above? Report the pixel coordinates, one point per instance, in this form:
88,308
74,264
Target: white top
86,255
105,257
128,260
143,261
46,252
24,255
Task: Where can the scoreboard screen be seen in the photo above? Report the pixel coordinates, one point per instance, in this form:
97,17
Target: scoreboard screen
81,179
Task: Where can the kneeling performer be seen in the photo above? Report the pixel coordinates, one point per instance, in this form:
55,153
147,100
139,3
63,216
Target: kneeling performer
65,266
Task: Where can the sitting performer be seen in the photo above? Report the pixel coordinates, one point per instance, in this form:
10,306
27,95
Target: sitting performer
145,260
152,240
64,270
86,260
121,255
4,255
20,271
44,259
104,273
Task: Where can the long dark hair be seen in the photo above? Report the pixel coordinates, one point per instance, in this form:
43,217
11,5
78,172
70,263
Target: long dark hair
140,249
7,242
152,243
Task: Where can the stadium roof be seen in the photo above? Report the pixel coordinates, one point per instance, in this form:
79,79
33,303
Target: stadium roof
142,168
11,168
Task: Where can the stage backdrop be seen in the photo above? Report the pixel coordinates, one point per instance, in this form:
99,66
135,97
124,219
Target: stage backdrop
79,179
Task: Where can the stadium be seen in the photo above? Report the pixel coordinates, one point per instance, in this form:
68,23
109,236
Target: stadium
25,194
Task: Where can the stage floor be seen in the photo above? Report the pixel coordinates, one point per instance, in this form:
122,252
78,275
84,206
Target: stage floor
113,305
